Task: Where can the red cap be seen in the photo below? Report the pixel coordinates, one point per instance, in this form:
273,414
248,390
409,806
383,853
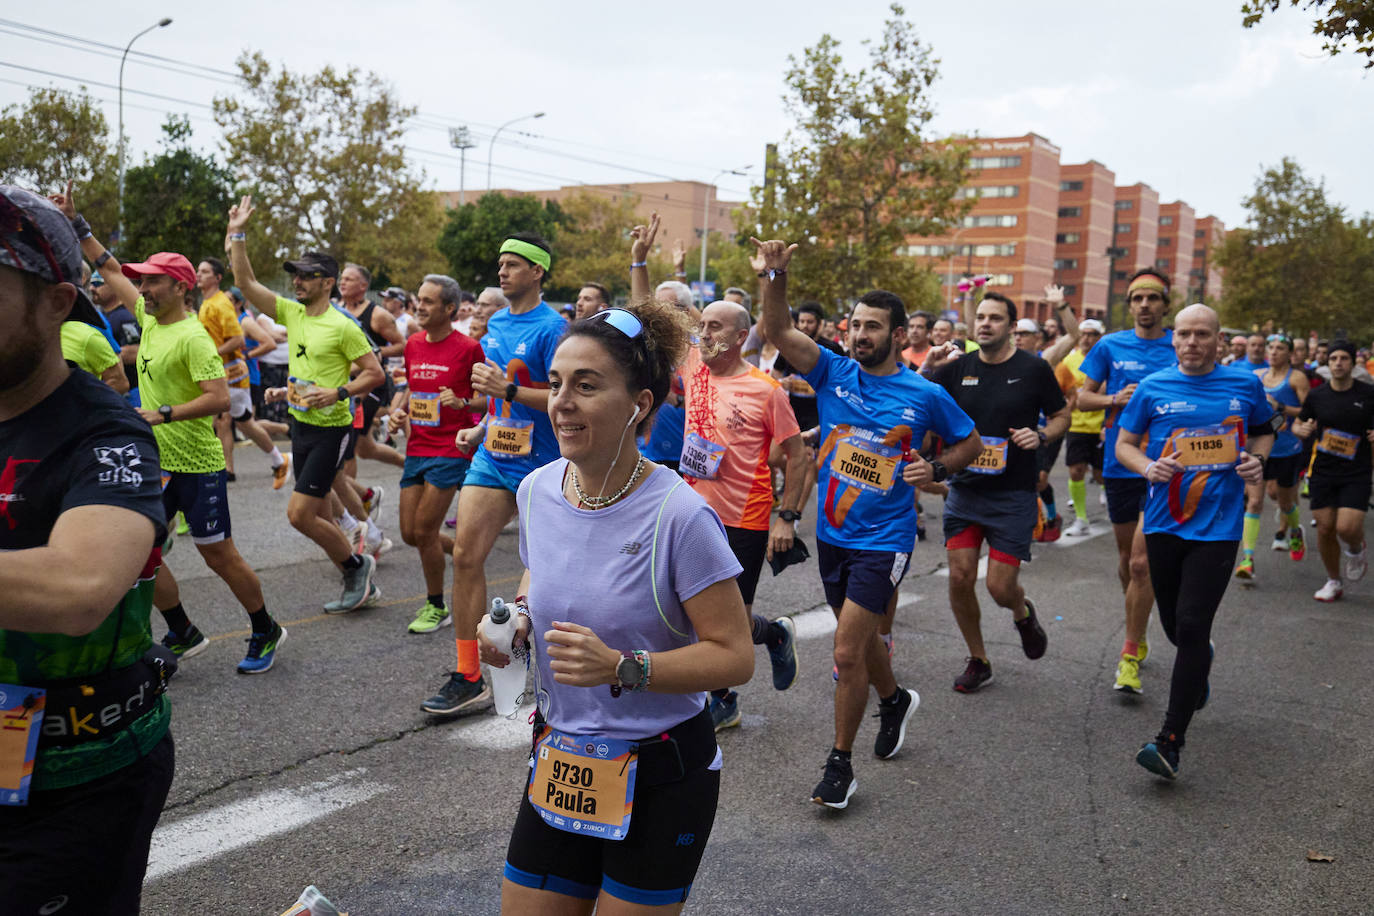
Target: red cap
164,262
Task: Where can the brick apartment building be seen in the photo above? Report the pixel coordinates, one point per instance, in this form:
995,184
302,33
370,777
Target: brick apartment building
1036,220
680,206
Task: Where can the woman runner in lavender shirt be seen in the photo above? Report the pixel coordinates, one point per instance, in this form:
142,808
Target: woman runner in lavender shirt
634,613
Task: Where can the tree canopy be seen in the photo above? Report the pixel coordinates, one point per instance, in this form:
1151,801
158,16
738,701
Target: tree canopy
177,200
472,236
1342,23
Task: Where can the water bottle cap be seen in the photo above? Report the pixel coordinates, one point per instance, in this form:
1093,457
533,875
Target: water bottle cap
500,611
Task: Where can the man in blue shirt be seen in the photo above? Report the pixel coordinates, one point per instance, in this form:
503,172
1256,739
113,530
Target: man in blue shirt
874,412
1113,369
1209,434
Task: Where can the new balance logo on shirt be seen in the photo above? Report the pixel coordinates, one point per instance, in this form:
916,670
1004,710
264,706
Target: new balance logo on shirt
631,548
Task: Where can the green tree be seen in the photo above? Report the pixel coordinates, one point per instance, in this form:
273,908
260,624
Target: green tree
56,137
594,245
856,175
1299,261
1340,22
324,159
177,200
472,236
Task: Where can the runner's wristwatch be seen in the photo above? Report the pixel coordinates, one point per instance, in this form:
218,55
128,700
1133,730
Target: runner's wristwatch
342,392
166,413
938,471
788,515
627,674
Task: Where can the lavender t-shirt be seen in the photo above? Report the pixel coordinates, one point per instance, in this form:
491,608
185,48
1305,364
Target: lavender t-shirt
593,568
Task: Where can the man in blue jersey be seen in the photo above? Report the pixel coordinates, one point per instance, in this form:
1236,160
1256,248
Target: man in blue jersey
1208,435
1113,368
515,438
874,412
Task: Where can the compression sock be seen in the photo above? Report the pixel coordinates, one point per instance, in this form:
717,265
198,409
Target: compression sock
1047,497
261,620
176,618
436,600
1250,533
468,666
1294,518
1078,495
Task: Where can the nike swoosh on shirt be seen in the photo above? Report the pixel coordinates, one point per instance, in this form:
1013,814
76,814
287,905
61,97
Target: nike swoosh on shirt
1012,381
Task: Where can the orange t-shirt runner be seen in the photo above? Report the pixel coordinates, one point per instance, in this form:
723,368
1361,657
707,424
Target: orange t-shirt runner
731,423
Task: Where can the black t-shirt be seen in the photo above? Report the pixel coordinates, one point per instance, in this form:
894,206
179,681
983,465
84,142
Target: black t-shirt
127,334
1001,397
82,445
803,404
1348,413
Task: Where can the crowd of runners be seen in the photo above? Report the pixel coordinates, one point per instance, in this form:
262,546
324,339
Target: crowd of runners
667,449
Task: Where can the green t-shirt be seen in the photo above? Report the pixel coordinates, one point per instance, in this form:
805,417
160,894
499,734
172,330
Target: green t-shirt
83,345
323,347
172,360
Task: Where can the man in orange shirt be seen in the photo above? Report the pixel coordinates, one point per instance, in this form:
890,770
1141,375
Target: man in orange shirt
221,319
735,413
918,338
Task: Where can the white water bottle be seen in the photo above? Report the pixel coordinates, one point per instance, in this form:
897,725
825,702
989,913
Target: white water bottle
508,683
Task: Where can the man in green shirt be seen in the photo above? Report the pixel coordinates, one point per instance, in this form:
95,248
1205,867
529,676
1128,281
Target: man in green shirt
86,348
325,343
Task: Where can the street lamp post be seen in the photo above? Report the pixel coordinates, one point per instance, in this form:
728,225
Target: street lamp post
161,23
460,138
492,145
706,220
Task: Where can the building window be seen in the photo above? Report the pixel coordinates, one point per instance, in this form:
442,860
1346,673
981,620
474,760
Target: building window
1125,205
985,220
1001,280
1069,212
1166,220
992,190
1123,228
1070,185
1195,273
994,162
1199,253
1070,289
1162,263
1067,238
1200,234
1006,250
1120,275
1066,263
1166,242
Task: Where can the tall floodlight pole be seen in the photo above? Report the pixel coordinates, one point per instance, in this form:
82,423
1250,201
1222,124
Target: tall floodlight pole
492,144
706,219
161,23
460,138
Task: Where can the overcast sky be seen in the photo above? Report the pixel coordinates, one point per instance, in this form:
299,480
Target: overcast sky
1175,94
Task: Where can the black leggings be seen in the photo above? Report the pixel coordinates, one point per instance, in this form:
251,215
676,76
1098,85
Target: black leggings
1190,578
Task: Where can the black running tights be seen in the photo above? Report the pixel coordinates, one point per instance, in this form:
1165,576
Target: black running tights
1189,578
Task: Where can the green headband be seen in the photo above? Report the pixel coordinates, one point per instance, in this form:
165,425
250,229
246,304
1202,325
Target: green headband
532,253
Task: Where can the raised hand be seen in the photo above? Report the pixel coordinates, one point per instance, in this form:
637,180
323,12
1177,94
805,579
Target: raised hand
774,255
679,257
238,214
1054,293
642,239
64,202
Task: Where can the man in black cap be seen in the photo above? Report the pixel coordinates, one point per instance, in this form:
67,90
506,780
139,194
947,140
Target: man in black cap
79,490
324,343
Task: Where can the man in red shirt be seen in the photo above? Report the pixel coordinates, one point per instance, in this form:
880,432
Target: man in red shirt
438,403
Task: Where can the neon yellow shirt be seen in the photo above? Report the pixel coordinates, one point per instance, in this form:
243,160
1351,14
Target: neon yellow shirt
173,359
87,348
219,318
1081,421
323,347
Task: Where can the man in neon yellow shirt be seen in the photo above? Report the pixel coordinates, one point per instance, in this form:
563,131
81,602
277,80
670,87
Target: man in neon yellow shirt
1084,438
181,387
219,316
325,343
86,348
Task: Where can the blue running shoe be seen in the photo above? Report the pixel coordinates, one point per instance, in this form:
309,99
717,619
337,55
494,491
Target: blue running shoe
1159,757
725,711
262,650
784,656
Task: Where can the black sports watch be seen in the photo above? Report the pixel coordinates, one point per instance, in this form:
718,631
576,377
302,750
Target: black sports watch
342,392
938,471
627,674
165,411
511,389
788,515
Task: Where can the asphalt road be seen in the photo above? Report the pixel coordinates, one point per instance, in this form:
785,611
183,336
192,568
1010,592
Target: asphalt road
1022,798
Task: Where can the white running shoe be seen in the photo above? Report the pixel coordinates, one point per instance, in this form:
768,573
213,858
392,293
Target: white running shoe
1079,528
1102,497
1330,591
1353,565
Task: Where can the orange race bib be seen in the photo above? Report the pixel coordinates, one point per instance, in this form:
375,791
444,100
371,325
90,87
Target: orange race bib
584,783
296,390
1207,448
509,438
1342,445
21,718
992,459
424,408
868,465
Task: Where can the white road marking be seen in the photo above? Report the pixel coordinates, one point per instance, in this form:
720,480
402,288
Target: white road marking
815,623
982,569
198,838
488,730
1095,530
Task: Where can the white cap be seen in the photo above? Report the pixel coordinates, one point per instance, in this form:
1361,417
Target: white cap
1091,324
1028,324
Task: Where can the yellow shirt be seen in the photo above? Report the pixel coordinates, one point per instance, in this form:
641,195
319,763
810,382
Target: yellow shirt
219,318
1080,421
